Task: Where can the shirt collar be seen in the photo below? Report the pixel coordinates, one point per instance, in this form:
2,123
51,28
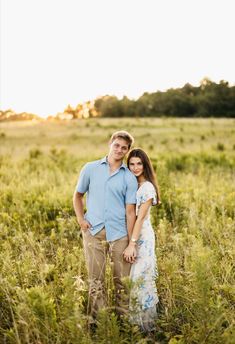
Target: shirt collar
104,161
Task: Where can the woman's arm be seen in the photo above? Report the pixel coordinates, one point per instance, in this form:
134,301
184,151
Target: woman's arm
129,252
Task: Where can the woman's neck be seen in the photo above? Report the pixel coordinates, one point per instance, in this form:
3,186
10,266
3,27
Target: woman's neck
141,180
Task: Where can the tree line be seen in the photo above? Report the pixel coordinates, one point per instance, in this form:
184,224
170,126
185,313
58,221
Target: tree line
208,99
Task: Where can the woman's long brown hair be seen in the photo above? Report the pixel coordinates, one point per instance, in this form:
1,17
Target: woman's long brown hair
148,168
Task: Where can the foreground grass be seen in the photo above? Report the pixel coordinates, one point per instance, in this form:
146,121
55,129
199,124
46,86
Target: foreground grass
43,281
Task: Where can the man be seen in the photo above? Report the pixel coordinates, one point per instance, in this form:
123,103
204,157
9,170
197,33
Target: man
109,220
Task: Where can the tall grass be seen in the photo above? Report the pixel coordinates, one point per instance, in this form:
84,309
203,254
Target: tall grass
43,279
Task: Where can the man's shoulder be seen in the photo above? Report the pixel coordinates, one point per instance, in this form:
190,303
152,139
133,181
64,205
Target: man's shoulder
92,164
130,176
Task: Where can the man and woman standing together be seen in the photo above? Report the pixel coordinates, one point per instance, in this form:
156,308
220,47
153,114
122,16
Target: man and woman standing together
117,222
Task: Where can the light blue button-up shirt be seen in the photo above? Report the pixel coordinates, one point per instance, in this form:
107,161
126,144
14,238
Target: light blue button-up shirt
107,196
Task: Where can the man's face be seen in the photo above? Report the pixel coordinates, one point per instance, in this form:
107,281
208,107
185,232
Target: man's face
118,149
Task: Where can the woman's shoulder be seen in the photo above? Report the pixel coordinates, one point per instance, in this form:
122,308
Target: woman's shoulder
147,186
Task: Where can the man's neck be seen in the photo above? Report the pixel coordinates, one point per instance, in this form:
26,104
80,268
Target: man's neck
114,164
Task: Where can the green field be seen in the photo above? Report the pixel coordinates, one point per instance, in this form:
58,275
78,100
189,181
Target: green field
43,280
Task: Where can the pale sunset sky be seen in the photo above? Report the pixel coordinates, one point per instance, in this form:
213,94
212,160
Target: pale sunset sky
60,52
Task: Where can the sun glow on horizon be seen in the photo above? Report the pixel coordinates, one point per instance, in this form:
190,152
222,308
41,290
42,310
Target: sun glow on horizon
91,49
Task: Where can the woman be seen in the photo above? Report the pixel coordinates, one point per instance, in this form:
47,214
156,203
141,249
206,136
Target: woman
143,298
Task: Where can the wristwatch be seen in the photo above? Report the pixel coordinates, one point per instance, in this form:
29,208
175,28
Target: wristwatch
133,240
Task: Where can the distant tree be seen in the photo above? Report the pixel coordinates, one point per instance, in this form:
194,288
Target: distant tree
10,115
215,99
108,106
145,104
128,107
70,110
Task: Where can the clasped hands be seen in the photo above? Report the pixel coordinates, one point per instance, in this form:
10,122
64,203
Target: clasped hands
130,253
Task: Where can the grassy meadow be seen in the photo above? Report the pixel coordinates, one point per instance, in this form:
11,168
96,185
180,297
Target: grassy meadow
43,279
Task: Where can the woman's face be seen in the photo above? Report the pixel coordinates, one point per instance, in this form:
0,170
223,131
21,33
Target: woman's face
136,166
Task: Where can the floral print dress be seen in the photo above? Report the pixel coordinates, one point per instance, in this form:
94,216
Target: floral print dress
144,298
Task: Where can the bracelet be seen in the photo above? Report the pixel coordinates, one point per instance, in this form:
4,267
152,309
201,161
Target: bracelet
133,240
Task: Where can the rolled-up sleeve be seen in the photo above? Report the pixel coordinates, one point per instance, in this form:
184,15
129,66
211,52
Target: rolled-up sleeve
83,180
132,187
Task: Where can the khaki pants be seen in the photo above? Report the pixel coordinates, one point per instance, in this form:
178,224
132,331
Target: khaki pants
96,249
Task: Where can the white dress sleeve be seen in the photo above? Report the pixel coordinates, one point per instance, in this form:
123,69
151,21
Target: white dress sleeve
147,192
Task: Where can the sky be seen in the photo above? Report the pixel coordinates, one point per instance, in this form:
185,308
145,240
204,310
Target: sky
60,52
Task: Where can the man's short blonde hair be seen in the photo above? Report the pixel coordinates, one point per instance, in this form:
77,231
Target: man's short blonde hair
122,134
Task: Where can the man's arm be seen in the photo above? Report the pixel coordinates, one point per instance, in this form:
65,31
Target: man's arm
81,188
78,205
130,218
131,190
